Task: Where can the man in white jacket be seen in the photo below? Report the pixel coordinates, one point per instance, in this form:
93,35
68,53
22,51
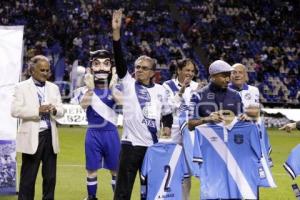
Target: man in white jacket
37,102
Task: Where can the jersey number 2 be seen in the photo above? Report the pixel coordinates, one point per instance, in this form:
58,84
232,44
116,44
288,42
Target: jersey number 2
167,169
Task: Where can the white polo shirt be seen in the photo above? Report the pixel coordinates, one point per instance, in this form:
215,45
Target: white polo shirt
178,104
135,130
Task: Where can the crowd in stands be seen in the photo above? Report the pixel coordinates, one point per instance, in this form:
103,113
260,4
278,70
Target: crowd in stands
263,35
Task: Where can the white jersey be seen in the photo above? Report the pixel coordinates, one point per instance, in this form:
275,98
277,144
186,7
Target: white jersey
250,96
178,104
142,110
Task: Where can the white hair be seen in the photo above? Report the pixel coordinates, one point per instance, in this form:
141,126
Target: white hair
34,60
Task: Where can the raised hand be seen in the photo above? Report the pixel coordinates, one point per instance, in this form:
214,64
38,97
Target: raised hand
116,23
117,19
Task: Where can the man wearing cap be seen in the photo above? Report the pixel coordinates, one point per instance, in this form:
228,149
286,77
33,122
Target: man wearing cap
102,143
248,93
206,102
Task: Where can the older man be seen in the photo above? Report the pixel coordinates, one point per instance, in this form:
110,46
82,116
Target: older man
144,107
37,102
248,93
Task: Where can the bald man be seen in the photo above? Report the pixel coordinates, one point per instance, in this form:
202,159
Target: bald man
248,93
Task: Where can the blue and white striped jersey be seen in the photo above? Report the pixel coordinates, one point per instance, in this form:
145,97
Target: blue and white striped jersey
249,95
178,104
143,107
164,169
231,155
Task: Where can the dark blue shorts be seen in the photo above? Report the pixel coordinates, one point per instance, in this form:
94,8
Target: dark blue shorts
102,149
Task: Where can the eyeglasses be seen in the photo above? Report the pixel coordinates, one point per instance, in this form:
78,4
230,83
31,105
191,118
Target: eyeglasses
144,68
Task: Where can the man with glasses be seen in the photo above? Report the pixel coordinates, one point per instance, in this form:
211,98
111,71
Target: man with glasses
102,143
144,108
37,102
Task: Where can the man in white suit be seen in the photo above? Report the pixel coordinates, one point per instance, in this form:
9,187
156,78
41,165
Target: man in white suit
36,103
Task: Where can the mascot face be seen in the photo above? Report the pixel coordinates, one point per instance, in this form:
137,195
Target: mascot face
101,67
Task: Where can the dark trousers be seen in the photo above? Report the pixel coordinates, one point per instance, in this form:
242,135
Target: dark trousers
30,168
131,160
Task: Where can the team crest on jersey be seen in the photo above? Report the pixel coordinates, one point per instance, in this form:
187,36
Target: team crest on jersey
247,96
238,138
159,97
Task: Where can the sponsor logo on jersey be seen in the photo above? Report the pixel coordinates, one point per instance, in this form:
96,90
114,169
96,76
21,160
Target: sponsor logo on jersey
149,122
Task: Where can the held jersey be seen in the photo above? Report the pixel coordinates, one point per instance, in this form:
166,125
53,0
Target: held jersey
192,155
292,164
178,104
266,160
231,154
142,110
164,169
249,95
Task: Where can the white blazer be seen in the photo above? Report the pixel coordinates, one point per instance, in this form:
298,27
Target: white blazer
25,106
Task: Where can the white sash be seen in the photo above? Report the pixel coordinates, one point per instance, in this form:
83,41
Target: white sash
103,110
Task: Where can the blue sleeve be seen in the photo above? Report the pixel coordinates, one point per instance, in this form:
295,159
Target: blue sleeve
197,153
255,141
146,167
292,165
185,169
267,140
191,151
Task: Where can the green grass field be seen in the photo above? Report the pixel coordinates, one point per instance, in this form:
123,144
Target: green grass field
71,176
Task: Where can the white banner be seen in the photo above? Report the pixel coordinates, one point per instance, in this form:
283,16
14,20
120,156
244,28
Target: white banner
75,115
11,49
291,114
11,43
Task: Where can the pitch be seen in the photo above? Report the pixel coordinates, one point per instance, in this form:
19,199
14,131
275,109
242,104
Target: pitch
71,175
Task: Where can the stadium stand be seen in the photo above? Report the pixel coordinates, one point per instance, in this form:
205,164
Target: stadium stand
262,35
